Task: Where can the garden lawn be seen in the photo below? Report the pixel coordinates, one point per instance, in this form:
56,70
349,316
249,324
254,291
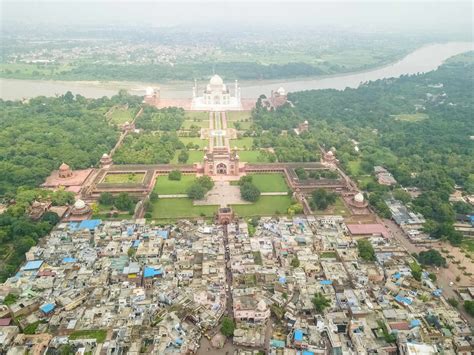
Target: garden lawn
98,334
195,156
252,156
270,182
244,143
265,206
337,209
120,116
123,178
164,186
238,115
188,123
176,208
194,140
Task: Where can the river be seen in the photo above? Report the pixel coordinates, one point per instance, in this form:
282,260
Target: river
422,60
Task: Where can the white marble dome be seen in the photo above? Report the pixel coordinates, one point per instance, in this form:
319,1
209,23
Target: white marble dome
216,80
281,91
79,205
359,198
149,91
105,155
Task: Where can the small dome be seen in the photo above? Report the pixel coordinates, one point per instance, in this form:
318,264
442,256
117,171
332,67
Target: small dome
306,122
281,91
330,153
79,205
105,155
359,197
64,166
149,91
216,80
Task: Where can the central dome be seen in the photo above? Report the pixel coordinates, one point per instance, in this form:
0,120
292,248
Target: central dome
216,80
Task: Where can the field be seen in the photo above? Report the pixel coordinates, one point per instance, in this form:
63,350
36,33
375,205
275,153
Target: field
188,123
238,115
28,71
123,178
164,186
175,208
120,115
270,182
252,156
98,334
244,143
337,209
265,206
196,118
416,117
195,156
194,140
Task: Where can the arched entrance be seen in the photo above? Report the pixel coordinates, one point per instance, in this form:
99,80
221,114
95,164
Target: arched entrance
217,100
221,169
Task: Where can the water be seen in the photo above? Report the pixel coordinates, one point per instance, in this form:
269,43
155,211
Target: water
422,60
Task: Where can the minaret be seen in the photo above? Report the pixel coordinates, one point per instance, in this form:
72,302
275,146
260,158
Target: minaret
194,89
236,89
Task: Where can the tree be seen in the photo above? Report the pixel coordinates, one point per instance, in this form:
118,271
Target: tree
124,202
174,175
227,326
469,307
321,199
301,173
106,198
320,302
206,182
295,261
453,302
245,179
196,191
51,217
183,156
153,196
249,192
366,250
416,271
431,257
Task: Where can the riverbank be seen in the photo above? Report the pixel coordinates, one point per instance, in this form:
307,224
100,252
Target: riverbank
422,60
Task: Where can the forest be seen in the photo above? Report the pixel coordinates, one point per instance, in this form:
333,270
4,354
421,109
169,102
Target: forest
418,127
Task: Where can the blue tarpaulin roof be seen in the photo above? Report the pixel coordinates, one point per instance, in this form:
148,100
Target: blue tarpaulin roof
415,323
136,243
32,265
397,275
179,341
277,343
162,234
90,224
405,300
47,307
307,352
298,335
69,260
325,282
151,272
282,279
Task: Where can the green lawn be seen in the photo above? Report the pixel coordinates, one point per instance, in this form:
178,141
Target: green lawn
175,208
252,156
103,211
337,209
120,116
195,156
98,334
265,206
244,143
468,245
164,186
274,182
123,178
194,140
198,115
416,117
238,115
201,124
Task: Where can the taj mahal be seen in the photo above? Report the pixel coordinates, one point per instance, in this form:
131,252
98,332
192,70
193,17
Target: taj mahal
216,96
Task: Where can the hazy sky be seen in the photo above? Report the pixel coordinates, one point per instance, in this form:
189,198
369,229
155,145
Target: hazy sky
449,16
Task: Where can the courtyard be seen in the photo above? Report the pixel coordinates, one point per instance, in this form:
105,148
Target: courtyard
123,178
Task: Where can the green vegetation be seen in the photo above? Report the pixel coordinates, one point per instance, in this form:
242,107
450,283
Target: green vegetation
416,270
254,156
320,302
337,208
227,326
194,156
165,186
120,115
123,178
431,257
174,175
98,334
273,182
176,208
414,117
200,186
249,192
295,261
389,337
243,143
328,255
257,258
366,250
166,119
193,142
453,302
10,299
322,199
265,206
31,328
123,202
469,307
148,148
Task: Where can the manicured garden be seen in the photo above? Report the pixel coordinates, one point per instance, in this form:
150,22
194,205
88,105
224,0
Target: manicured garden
253,156
98,334
195,156
244,143
164,186
123,178
121,115
265,206
175,208
338,208
195,141
273,182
